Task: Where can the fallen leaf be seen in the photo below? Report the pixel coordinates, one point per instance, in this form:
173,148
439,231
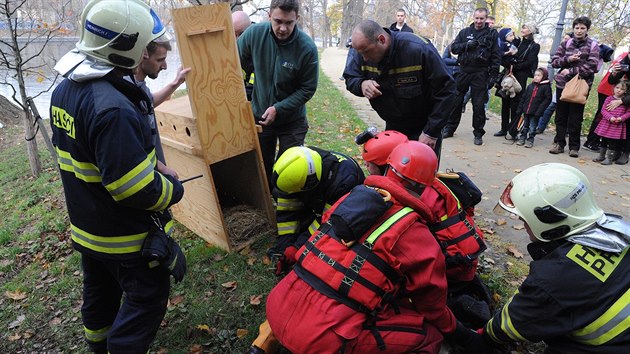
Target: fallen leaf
55,321
177,300
230,285
204,328
580,161
251,261
255,299
496,298
612,192
15,337
515,252
266,260
489,260
240,333
501,222
218,257
518,226
15,295
28,334
18,321
487,230
196,348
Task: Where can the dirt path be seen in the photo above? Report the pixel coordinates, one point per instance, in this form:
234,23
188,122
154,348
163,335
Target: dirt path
496,162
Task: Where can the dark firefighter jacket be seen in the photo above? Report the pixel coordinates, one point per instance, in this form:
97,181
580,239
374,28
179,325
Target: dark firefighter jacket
416,86
298,215
576,299
108,166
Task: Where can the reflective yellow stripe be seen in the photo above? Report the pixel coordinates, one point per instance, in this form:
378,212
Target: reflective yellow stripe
108,244
84,171
313,226
405,69
613,322
165,196
506,323
459,206
289,227
251,79
134,180
387,224
98,335
326,207
289,204
371,69
490,331
168,228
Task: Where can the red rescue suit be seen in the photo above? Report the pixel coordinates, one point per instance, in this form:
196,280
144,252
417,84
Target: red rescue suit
456,231
407,315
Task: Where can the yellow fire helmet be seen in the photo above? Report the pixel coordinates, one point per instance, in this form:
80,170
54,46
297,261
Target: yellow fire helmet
298,169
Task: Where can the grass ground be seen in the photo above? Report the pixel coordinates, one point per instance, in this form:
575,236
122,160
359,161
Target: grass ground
218,306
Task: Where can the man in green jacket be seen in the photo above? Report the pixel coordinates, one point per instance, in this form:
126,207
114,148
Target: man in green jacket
286,65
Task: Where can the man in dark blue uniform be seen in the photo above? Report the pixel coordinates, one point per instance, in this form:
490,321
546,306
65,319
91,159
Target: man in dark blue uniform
116,197
404,78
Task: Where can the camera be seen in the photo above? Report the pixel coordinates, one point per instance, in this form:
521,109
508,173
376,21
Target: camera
365,135
624,67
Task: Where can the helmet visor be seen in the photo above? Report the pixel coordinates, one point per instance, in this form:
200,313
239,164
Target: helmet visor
505,201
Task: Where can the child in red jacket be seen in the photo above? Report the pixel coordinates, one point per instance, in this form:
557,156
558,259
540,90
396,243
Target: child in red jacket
533,104
612,127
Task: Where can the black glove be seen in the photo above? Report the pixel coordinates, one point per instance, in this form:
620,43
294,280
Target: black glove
161,250
472,44
176,263
471,341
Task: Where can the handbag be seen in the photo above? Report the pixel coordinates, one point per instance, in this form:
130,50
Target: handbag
575,91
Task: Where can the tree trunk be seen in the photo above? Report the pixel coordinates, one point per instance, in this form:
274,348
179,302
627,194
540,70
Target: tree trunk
31,146
352,15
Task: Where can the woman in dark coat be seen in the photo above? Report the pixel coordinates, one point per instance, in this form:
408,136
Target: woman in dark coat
523,66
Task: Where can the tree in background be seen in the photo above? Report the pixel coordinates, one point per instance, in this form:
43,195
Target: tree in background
26,29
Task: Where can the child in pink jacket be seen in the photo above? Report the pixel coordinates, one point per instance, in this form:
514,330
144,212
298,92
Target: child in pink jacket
612,127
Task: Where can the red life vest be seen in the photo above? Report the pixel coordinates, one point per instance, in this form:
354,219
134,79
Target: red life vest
364,276
460,239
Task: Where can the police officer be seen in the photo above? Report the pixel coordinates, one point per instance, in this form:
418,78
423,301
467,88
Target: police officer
309,180
393,295
114,193
576,296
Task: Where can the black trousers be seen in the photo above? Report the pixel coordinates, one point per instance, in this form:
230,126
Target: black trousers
509,106
122,325
284,136
478,84
569,117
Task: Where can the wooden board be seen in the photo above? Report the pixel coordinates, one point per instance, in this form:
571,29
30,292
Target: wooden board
199,210
206,41
211,131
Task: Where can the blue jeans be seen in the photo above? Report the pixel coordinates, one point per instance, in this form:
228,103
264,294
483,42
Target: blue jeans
530,123
546,117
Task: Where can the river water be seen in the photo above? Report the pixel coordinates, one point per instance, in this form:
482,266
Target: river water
53,51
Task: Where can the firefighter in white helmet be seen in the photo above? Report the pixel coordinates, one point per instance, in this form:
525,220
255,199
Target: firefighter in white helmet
117,199
576,296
